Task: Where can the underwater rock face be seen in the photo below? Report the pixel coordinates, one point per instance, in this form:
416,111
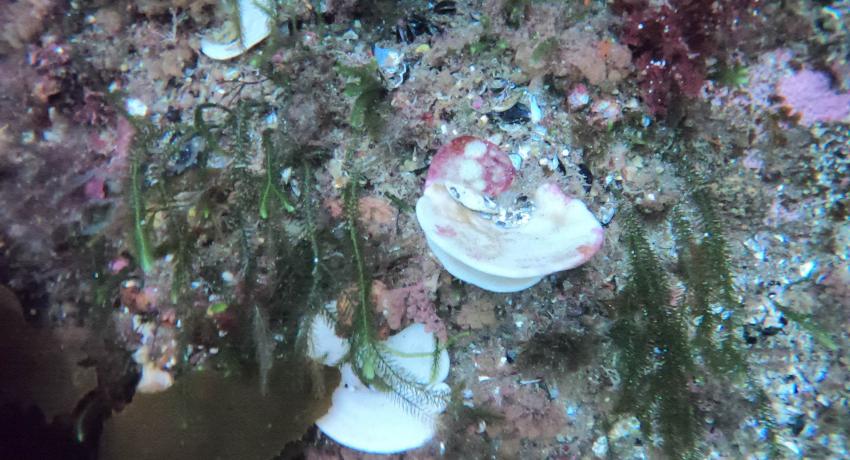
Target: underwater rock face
500,248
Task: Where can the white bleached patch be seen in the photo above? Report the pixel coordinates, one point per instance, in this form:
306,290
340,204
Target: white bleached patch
475,149
469,171
154,377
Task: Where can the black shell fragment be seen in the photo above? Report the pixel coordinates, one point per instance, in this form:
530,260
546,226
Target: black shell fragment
445,7
518,113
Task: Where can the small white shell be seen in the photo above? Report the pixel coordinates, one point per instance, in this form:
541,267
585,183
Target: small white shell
154,379
536,111
255,25
374,421
324,345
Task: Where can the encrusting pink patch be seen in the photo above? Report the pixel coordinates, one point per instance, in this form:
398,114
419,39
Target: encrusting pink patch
555,190
118,264
588,250
808,94
448,232
95,189
452,160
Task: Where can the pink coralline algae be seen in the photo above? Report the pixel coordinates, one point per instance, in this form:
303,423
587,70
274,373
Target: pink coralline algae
808,94
410,304
95,189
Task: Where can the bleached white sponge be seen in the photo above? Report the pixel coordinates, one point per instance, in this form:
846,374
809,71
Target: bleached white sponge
497,248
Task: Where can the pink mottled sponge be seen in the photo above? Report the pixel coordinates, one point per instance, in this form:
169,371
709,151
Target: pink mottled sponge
808,94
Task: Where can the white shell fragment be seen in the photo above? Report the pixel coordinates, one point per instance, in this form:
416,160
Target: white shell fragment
136,107
324,345
415,348
254,24
483,280
374,421
155,378
507,249
534,107
391,65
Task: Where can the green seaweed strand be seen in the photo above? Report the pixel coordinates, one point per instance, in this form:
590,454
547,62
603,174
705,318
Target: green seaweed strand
314,305
808,324
656,357
310,219
270,188
363,339
373,361
138,205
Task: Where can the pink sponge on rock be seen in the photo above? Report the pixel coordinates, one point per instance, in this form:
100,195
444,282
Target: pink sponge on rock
808,94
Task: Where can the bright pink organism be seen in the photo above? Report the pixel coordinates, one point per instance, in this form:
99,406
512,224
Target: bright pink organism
474,163
808,94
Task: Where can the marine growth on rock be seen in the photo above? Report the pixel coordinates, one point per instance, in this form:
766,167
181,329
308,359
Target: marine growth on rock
482,239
